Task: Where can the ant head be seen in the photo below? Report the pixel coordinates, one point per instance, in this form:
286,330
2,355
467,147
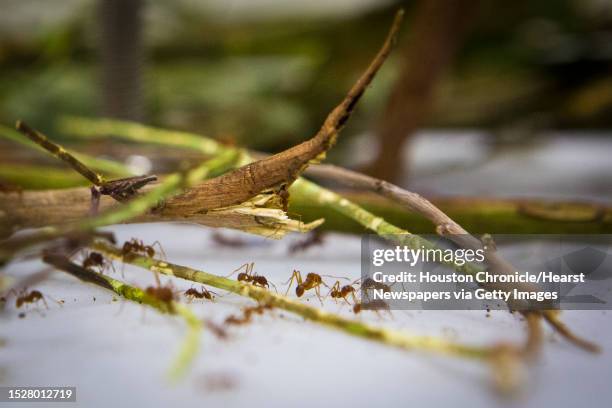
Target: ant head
357,308
242,276
299,290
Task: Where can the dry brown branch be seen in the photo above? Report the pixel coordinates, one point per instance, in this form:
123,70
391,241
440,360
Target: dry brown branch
229,189
445,226
283,168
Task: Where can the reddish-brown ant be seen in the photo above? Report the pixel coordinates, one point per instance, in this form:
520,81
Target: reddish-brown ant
250,277
374,305
312,281
247,314
96,259
338,292
202,294
164,294
32,297
370,283
314,238
135,246
223,240
216,329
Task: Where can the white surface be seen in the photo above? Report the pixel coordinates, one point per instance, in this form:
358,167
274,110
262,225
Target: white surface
118,354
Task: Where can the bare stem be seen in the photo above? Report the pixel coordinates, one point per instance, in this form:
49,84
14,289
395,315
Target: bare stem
61,153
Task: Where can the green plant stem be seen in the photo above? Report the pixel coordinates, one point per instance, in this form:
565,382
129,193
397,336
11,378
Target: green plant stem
264,296
109,167
308,190
87,128
190,345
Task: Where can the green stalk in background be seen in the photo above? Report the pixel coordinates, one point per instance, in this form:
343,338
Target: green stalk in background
109,167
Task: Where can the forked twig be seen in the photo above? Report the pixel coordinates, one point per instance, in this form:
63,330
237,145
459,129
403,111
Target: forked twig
447,227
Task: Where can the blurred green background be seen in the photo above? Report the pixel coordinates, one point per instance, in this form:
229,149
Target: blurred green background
265,73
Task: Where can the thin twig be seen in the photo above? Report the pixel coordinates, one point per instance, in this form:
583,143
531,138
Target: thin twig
61,153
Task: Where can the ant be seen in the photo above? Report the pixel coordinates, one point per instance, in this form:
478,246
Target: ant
32,297
223,240
313,281
315,238
250,277
370,283
216,329
164,294
94,259
375,305
136,246
247,314
338,292
202,294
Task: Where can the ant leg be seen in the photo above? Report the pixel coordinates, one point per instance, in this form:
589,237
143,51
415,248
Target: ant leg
45,302
112,266
157,279
238,269
249,269
121,305
346,300
335,287
295,275
335,277
275,289
161,250
318,293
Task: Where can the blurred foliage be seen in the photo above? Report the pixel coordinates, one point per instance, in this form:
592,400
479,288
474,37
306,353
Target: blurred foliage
267,83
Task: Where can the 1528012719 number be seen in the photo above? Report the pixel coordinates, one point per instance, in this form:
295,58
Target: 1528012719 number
38,393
